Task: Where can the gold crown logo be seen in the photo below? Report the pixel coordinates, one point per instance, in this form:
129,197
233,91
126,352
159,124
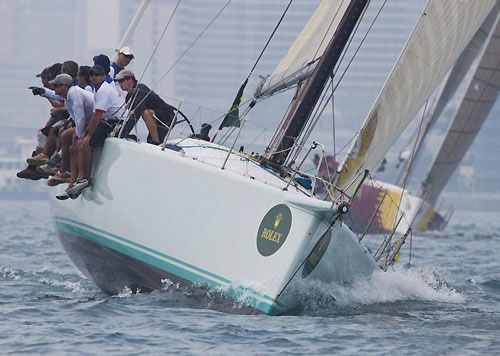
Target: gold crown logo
278,220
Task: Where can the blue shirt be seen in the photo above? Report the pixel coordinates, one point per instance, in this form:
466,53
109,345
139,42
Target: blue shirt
116,68
108,79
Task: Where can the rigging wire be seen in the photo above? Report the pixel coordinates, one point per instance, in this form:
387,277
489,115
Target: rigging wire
326,32
333,127
411,158
133,99
360,44
270,38
353,56
487,84
253,102
186,50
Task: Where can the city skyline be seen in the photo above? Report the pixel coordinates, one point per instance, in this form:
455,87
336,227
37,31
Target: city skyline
208,77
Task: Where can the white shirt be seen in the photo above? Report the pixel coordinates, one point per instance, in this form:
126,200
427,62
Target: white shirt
80,106
109,102
119,89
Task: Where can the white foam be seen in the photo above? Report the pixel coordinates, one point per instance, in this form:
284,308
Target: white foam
10,273
75,287
398,285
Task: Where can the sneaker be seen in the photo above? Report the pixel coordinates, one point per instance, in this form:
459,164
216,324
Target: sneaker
56,158
74,196
52,182
62,177
31,173
27,173
80,184
63,196
38,160
48,169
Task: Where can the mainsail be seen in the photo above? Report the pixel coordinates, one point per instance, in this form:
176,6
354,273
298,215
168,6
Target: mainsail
451,84
479,98
442,33
307,97
302,57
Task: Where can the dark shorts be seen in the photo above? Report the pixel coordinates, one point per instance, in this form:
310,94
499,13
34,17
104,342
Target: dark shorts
102,131
59,116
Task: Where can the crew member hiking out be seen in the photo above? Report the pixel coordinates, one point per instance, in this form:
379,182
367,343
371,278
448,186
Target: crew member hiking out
142,101
108,110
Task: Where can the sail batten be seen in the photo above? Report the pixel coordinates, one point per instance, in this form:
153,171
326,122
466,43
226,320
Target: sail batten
302,57
440,36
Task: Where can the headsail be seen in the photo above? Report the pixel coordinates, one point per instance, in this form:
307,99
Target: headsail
303,55
451,83
442,33
479,98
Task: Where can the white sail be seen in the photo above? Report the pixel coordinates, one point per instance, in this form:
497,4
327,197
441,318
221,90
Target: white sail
479,98
442,33
451,83
301,58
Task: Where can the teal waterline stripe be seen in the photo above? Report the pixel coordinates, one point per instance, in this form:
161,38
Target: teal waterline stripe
164,265
146,248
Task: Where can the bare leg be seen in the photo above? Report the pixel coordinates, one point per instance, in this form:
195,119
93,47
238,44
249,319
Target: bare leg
79,149
62,130
74,160
50,146
150,121
87,158
66,141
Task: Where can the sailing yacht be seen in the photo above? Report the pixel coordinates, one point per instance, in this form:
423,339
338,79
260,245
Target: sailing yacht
211,216
477,66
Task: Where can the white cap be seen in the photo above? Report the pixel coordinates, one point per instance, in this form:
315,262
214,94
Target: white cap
127,51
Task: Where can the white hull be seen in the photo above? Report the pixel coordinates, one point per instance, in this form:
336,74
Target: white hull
181,215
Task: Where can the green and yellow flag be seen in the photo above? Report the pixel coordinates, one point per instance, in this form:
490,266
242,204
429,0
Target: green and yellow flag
233,116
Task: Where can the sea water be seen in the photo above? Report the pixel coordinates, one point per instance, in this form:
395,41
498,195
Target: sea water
447,303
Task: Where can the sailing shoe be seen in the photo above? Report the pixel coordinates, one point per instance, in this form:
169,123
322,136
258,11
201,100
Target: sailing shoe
31,173
38,160
28,173
74,196
52,165
62,177
52,182
48,168
63,196
80,184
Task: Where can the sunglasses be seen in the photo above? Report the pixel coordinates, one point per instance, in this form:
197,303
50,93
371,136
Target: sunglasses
95,73
129,56
58,85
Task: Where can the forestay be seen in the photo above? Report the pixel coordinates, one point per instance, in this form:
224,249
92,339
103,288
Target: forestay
479,98
441,35
451,84
302,57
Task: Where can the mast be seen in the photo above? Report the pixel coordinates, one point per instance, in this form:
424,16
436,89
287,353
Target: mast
131,28
307,99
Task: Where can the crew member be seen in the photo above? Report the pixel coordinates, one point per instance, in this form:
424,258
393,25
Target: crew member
142,101
109,108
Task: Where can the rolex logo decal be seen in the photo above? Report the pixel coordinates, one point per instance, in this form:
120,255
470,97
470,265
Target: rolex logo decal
274,229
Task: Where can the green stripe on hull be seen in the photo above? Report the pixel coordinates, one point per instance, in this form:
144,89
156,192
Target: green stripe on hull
98,236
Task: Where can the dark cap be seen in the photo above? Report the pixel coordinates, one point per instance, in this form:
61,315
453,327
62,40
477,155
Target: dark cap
97,70
103,61
43,73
